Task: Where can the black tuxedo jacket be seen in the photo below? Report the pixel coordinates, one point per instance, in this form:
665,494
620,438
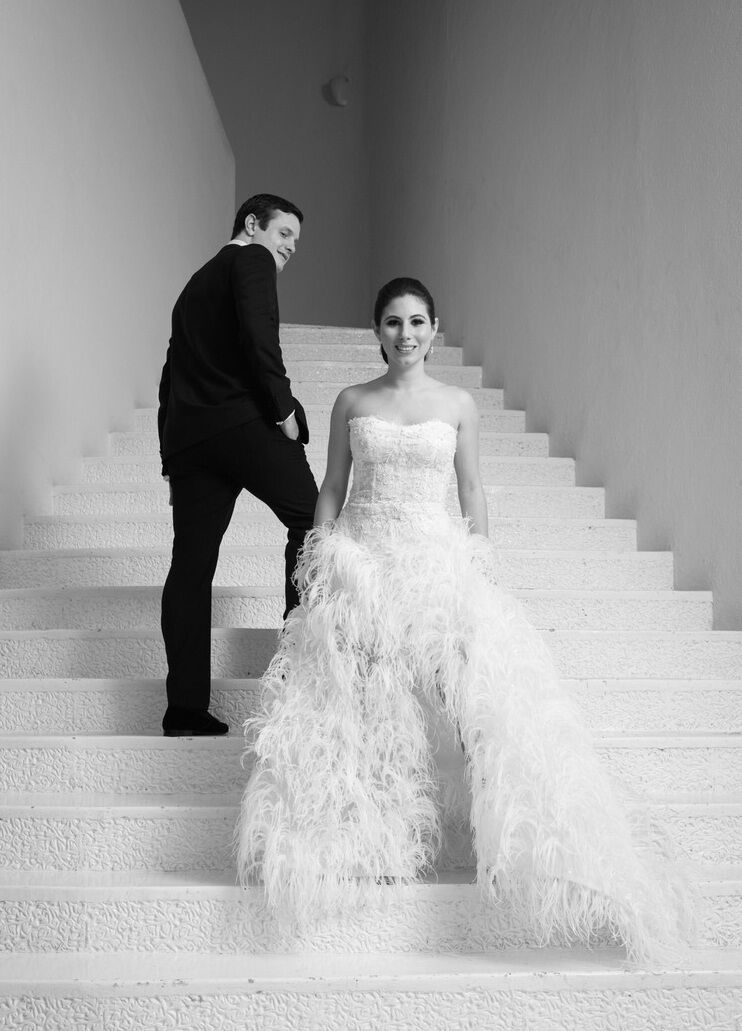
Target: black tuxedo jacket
224,364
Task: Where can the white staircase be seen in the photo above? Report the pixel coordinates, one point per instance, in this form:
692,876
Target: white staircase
118,906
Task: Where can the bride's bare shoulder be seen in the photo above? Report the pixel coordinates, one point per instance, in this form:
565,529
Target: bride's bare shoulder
457,403
350,398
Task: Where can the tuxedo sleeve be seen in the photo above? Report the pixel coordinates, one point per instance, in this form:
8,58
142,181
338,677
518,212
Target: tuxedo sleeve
254,286
163,398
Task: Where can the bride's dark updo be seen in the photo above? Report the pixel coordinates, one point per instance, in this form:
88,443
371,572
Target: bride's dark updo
402,287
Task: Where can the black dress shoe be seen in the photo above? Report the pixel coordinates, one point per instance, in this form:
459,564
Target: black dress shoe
192,723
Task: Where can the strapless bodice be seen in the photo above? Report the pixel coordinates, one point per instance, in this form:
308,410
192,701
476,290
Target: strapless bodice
401,476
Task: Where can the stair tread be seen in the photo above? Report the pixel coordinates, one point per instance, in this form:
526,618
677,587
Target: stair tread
235,742
245,683
60,803
189,973
254,591
664,636
80,882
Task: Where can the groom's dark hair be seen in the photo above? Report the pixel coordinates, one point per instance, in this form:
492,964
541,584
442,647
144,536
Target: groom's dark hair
264,206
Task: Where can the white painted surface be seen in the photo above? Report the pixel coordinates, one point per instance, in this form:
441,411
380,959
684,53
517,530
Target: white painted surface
266,62
117,181
566,178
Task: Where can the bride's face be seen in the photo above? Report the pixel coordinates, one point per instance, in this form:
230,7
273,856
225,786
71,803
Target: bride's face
405,331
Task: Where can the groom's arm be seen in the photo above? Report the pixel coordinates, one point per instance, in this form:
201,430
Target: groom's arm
254,286
163,398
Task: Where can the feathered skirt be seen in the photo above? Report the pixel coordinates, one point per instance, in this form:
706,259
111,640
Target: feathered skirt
412,714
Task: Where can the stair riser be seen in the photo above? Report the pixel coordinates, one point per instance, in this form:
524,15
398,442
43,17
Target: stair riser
512,445
324,390
49,707
154,769
353,352
154,532
492,418
246,653
515,570
419,920
507,472
140,608
507,502
304,375
453,1006
292,335
203,841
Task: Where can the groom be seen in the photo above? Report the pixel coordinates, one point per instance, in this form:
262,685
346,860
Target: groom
227,421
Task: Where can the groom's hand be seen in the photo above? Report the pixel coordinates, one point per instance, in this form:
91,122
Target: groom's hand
291,427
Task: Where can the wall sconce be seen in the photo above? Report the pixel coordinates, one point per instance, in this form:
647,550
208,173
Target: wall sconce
337,91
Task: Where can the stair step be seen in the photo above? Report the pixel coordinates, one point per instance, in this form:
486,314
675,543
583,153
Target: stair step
292,334
205,912
493,418
127,608
245,652
262,527
89,706
543,989
507,445
319,390
306,374
263,566
497,471
652,765
364,353
195,832
502,502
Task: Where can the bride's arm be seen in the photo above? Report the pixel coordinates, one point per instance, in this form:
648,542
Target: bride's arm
466,463
335,484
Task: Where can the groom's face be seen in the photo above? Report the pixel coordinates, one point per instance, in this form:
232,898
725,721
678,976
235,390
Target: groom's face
280,235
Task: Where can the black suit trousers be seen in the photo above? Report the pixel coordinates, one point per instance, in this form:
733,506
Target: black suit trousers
206,480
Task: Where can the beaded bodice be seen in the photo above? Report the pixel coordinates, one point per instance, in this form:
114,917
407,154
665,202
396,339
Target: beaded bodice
401,477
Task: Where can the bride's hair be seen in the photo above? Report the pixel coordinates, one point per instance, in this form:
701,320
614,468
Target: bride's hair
402,287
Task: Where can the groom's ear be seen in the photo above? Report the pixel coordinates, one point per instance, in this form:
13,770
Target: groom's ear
250,224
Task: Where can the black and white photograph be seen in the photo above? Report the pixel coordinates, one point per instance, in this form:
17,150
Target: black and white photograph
371,515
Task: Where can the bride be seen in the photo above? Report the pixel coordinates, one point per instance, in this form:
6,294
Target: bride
401,621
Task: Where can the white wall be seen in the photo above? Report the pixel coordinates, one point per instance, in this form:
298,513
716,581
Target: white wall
116,182
568,178
266,62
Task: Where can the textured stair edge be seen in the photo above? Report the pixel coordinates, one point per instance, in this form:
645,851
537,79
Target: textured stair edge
684,766
491,445
223,919
502,502
242,652
495,417
552,637
448,1003
234,743
130,606
262,565
80,531
303,371
115,832
496,471
531,970
359,351
136,705
74,805
290,331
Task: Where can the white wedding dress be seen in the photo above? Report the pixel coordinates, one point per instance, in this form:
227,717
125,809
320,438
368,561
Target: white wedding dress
401,620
